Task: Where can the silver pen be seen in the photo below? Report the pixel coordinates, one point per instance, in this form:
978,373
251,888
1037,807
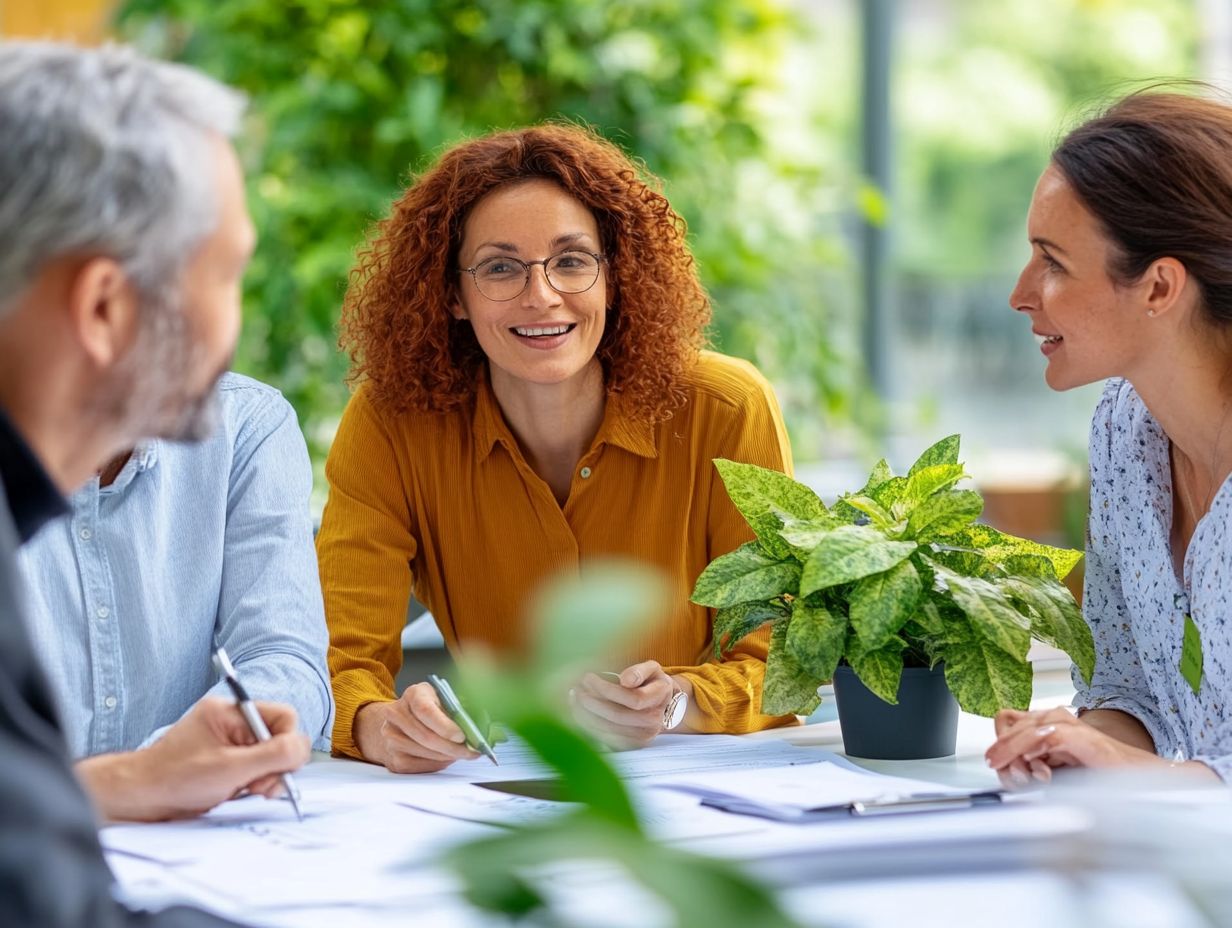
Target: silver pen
260,731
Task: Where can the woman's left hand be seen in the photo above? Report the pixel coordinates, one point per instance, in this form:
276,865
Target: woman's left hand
627,713
1030,745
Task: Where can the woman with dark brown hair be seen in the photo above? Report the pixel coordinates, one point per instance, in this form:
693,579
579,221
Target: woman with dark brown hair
1130,280
526,331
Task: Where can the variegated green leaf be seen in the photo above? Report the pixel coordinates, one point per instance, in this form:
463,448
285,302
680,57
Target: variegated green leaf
849,553
990,612
881,669
965,562
880,517
889,495
944,514
923,483
763,496
882,603
880,474
999,547
1059,621
803,535
1029,565
788,687
816,638
735,622
943,452
930,618
743,576
984,678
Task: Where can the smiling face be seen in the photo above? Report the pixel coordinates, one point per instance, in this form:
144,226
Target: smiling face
540,336
1090,327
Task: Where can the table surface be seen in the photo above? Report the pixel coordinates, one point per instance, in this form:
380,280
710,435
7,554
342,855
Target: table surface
883,894
965,767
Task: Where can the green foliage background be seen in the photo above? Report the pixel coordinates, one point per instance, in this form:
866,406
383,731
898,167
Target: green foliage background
749,111
981,104
349,98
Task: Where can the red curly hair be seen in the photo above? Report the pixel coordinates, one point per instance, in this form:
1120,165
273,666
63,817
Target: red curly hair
412,354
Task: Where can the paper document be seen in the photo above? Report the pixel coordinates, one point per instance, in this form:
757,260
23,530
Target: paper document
673,755
667,755
666,816
801,793
252,854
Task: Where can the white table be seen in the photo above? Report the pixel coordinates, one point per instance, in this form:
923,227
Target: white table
900,883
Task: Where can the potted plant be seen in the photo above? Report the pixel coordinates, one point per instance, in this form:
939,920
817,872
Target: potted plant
895,591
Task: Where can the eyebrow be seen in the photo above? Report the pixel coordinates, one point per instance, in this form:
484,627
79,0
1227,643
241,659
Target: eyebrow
1047,243
567,239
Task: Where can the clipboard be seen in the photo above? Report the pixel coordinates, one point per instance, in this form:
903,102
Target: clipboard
910,803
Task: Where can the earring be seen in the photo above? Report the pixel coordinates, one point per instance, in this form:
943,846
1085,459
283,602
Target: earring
1151,313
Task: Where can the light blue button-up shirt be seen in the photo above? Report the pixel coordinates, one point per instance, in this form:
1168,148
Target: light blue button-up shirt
191,541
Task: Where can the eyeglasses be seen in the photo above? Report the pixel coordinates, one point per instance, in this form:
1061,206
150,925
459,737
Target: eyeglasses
501,278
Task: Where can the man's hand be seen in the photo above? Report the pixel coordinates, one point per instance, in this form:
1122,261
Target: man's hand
628,713
207,757
411,734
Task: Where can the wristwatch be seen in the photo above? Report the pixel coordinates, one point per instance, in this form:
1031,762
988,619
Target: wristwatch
677,706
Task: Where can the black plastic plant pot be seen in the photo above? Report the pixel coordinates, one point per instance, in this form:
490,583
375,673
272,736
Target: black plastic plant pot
923,724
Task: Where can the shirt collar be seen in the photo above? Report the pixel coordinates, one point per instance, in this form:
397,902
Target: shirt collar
143,457
618,428
33,499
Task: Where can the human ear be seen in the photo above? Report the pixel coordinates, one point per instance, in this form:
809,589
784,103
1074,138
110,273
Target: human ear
103,310
457,310
1164,282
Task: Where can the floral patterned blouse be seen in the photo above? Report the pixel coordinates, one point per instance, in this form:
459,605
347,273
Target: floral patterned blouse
1134,601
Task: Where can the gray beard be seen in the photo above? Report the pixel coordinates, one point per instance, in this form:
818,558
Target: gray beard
147,397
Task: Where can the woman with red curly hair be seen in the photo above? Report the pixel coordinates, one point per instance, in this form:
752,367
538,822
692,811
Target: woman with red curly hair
526,333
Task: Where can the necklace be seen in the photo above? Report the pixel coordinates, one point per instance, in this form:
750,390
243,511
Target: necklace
1216,483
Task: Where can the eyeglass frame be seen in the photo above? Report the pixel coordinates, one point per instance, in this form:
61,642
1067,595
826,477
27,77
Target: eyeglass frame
527,265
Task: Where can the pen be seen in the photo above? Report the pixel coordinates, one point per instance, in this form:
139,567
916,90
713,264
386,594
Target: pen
884,805
924,802
247,709
453,708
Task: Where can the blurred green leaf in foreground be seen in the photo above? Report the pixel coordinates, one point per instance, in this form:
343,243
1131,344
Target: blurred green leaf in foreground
579,623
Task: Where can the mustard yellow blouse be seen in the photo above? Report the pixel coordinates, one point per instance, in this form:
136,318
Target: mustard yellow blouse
444,504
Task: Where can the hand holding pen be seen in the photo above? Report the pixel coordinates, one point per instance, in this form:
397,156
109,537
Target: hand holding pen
204,759
252,716
475,739
411,734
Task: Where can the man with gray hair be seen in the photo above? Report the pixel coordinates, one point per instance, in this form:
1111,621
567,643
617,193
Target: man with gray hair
123,238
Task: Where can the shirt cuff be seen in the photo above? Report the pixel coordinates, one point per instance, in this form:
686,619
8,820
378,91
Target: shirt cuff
350,695
1161,735
727,700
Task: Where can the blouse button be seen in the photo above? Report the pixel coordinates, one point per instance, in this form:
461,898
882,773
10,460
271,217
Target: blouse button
585,472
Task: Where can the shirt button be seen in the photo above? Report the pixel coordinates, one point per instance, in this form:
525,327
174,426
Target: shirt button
110,702
586,472
85,534
102,612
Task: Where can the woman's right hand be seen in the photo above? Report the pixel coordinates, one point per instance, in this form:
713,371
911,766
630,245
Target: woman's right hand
412,734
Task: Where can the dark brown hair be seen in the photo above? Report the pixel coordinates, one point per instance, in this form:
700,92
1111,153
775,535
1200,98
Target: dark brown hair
1156,170
410,351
